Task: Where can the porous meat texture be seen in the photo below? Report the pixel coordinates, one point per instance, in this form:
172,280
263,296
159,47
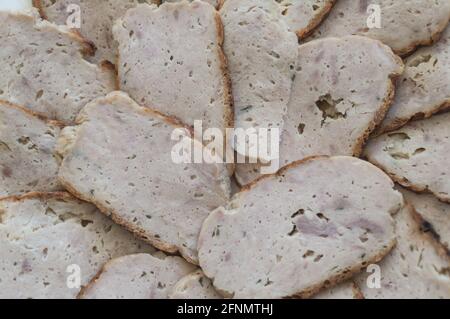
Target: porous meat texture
44,69
424,88
27,152
416,155
434,215
171,60
261,53
195,286
335,104
140,276
404,25
413,270
303,16
96,20
124,159
343,291
52,242
312,225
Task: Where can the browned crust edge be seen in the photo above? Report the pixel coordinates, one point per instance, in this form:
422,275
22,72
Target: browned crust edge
228,96
29,112
417,218
316,21
387,103
109,67
103,269
54,195
408,50
91,282
398,123
139,232
342,275
88,46
403,181
38,5
434,37
251,185
378,117
345,274
427,229
357,293
441,250
220,4
229,115
111,97
44,196
117,63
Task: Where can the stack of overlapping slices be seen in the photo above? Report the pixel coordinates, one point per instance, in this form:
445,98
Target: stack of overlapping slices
107,191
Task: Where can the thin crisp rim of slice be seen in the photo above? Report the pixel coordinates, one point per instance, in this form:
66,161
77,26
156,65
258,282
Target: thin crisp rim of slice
29,112
428,230
87,45
398,123
405,52
39,195
104,268
413,46
403,181
318,19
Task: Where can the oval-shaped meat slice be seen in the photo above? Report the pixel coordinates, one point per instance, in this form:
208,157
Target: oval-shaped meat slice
342,90
120,158
27,152
140,276
52,245
402,25
261,53
171,60
312,225
416,155
413,270
424,88
43,68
